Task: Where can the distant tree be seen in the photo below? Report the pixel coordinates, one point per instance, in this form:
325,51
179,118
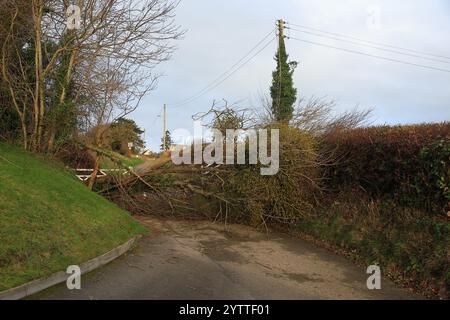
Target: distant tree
168,141
124,131
282,90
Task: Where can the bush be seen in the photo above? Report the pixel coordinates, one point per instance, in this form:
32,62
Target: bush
9,124
74,155
410,246
407,163
286,196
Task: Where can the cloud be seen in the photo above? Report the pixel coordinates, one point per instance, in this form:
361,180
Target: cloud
221,32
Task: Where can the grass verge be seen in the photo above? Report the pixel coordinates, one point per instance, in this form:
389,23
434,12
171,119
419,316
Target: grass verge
124,161
49,220
411,246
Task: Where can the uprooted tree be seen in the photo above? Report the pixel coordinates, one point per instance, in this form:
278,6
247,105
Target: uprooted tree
236,192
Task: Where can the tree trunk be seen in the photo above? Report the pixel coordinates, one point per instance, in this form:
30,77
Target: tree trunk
39,81
62,98
94,174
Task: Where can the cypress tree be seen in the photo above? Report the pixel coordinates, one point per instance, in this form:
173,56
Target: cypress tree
282,90
168,141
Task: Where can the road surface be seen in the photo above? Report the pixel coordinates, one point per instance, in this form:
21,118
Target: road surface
200,260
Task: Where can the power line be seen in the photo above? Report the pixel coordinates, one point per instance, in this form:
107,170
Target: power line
371,42
231,74
370,55
370,46
219,79
156,118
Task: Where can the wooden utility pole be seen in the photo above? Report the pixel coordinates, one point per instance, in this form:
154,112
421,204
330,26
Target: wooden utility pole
281,28
164,128
280,37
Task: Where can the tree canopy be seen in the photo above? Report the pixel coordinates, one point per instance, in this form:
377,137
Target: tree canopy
124,131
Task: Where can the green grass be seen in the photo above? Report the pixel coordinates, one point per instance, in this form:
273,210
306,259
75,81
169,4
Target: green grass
124,161
49,220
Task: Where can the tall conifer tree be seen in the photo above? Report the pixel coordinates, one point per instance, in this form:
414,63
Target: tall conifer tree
282,90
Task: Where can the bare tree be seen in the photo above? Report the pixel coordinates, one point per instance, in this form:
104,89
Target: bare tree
318,115
227,116
105,67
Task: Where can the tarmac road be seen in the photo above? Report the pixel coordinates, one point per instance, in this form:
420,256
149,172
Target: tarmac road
202,260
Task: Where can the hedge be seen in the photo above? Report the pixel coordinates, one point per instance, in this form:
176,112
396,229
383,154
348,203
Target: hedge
407,163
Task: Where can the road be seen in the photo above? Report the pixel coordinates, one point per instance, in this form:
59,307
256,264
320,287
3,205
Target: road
202,260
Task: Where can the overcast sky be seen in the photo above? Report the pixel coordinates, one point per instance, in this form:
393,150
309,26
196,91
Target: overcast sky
219,33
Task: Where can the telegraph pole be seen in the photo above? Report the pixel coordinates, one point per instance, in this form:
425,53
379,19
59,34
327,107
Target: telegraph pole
164,128
280,29
280,37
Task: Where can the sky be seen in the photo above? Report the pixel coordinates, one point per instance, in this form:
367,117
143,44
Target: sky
220,33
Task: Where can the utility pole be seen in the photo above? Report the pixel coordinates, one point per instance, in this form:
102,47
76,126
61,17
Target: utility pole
164,126
280,28
280,37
